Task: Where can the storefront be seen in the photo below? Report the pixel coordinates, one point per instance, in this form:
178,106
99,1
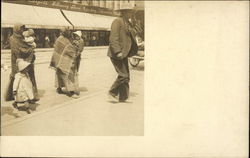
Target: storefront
47,22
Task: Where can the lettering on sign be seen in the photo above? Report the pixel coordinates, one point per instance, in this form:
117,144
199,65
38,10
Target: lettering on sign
37,2
75,7
57,4
67,6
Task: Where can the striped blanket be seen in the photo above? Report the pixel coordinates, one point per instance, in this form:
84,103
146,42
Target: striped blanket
68,59
64,55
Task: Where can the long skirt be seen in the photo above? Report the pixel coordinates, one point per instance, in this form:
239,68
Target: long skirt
69,81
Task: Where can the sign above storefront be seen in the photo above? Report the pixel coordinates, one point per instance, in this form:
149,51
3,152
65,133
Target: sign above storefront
67,6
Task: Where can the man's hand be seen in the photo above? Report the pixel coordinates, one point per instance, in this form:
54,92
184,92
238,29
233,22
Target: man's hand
119,55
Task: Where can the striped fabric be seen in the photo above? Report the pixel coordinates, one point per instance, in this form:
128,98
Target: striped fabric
59,46
68,58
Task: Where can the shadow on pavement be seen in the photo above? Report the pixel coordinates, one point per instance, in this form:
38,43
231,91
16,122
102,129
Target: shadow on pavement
138,68
34,106
123,102
113,102
41,92
133,94
83,89
126,102
9,111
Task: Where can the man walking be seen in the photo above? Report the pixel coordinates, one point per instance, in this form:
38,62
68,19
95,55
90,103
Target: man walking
122,45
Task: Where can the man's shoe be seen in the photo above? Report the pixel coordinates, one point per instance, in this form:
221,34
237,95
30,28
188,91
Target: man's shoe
28,110
15,105
33,101
125,101
113,97
59,91
27,107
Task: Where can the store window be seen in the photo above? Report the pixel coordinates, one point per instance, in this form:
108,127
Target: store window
86,37
94,38
110,4
5,36
96,3
85,2
102,3
45,38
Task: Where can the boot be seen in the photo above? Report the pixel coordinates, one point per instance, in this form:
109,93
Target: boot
15,105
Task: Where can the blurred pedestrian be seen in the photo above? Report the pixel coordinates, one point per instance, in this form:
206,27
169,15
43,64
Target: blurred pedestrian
6,44
94,41
122,45
46,42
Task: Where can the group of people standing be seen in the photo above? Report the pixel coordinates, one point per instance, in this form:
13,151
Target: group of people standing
66,61
22,87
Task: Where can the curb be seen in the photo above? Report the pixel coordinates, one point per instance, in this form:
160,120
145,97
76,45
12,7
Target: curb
34,114
7,51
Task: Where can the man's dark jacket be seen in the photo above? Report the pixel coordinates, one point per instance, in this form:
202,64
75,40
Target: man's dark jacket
121,40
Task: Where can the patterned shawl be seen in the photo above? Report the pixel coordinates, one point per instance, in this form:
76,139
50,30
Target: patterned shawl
59,46
68,58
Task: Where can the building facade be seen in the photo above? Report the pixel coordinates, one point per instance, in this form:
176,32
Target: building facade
92,17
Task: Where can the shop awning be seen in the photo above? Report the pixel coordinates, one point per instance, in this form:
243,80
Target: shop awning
32,16
48,18
86,21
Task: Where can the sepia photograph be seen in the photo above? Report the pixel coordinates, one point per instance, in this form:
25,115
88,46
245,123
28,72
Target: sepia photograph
125,78
72,68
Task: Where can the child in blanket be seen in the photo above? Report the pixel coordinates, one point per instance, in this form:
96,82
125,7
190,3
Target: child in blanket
29,39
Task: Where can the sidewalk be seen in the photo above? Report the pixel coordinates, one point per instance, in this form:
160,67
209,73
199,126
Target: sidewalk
45,77
95,78
92,115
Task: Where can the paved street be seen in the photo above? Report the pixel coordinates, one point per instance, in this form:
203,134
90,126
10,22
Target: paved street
91,114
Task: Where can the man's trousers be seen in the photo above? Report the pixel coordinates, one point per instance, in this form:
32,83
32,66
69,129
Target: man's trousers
121,85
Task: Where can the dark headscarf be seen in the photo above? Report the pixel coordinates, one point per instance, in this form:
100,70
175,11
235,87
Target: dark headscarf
18,29
65,32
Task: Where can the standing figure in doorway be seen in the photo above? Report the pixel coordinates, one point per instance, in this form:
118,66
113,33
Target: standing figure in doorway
46,42
122,45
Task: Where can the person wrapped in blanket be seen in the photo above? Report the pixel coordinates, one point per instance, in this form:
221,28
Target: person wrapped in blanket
66,61
21,50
